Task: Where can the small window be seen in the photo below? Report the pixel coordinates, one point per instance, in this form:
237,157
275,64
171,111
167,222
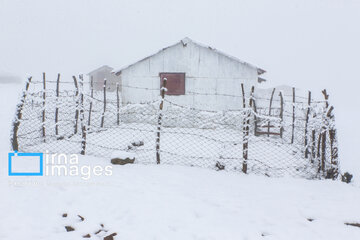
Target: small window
175,83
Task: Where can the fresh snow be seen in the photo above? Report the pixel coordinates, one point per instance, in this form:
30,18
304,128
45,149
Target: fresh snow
170,202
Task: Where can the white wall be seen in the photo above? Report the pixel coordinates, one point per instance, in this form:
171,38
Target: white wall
207,72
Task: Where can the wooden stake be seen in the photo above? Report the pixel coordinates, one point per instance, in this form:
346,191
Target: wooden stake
293,118
57,108
77,105
118,103
306,126
92,95
43,112
103,114
18,116
245,140
82,117
160,121
281,113
271,99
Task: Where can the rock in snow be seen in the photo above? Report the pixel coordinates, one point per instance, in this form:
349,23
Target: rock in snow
122,157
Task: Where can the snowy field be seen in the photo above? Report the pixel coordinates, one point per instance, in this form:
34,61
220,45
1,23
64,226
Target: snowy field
170,202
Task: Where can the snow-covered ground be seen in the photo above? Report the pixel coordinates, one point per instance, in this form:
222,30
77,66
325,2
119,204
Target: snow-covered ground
169,202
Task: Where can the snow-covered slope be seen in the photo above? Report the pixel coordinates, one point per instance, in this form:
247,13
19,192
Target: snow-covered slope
170,202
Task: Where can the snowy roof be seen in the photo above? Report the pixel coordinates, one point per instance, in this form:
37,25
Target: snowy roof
105,67
184,42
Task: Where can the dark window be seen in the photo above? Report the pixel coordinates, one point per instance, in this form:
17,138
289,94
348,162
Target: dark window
175,83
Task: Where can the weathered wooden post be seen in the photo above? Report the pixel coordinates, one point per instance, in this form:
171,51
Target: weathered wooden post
281,113
293,117
313,145
318,153
18,116
246,126
57,107
332,135
92,95
159,122
245,140
323,137
82,116
76,105
118,104
103,114
306,126
43,112
271,99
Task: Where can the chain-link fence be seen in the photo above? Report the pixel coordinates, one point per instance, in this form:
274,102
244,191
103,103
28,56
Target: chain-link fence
274,135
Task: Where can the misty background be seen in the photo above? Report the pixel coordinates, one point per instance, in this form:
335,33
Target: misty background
307,44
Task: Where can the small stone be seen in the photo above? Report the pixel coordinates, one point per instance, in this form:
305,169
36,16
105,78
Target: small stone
64,215
87,236
81,218
219,166
110,237
120,161
69,228
138,143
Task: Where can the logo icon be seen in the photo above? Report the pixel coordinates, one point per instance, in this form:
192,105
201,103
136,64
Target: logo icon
25,164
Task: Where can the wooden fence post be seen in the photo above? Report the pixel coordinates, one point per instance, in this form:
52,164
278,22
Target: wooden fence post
332,136
82,116
293,117
92,95
118,104
57,108
271,99
306,126
18,116
323,129
281,113
313,145
163,89
43,112
318,154
103,114
76,105
245,140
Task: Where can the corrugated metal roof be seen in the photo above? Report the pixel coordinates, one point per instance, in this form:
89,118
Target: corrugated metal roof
184,42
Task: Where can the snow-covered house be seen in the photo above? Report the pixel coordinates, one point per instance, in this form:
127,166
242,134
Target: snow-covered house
197,75
98,76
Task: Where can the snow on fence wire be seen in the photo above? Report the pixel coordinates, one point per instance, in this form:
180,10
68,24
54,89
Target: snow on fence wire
273,135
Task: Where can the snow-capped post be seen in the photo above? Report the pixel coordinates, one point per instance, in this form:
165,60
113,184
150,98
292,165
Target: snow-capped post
18,116
255,118
92,95
57,108
82,116
163,90
306,126
281,114
245,140
118,104
76,105
323,131
43,111
103,114
271,100
246,125
293,116
318,151
313,145
251,101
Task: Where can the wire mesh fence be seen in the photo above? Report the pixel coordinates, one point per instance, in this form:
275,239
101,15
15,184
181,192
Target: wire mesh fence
275,135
